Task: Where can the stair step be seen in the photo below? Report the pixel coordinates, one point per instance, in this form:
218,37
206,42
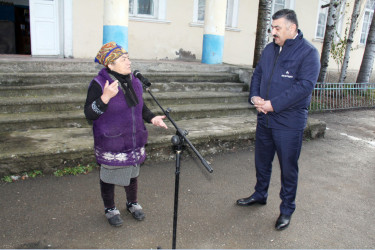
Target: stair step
70,119
191,76
33,64
37,78
43,90
51,149
42,103
81,88
197,86
194,97
21,79
67,102
180,112
42,120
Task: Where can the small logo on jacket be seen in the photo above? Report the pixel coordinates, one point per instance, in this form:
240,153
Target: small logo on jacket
287,75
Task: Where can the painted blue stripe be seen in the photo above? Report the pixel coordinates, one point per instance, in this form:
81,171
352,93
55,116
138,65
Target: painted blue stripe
213,46
116,33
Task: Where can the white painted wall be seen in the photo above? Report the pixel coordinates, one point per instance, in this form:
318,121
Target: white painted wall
87,28
162,39
68,28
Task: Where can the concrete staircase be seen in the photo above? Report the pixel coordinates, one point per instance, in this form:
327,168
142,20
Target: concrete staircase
42,125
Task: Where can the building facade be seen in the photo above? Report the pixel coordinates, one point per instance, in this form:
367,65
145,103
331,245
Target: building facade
175,29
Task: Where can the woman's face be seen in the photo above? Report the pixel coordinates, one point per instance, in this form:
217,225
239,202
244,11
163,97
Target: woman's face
121,65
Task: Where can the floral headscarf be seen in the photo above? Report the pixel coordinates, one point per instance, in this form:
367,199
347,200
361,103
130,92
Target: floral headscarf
109,53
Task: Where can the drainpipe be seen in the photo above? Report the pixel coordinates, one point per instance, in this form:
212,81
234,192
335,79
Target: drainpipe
115,23
214,28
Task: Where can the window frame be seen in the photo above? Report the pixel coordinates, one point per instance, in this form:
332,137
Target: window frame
339,24
233,20
196,13
340,21
371,12
158,16
321,11
288,4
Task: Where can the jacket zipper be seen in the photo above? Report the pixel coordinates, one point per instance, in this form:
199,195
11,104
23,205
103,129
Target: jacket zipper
134,130
269,80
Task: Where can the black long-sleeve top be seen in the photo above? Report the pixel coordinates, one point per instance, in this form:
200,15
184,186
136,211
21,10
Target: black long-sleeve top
94,105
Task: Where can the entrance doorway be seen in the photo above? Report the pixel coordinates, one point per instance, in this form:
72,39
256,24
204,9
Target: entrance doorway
15,27
36,27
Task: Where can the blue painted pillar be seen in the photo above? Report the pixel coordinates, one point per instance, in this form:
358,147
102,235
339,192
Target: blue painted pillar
115,23
214,29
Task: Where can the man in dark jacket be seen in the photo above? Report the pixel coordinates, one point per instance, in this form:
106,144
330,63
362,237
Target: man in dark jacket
281,89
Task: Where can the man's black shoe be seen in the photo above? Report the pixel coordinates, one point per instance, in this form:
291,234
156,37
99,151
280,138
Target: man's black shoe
250,201
282,222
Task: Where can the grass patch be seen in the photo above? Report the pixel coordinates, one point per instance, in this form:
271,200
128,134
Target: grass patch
7,178
74,170
23,176
80,169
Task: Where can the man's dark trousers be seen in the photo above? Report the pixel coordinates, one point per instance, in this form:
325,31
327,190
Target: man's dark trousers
287,144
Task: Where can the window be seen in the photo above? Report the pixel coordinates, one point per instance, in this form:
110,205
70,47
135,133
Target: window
322,19
144,8
201,6
278,5
147,9
231,14
367,17
282,4
340,20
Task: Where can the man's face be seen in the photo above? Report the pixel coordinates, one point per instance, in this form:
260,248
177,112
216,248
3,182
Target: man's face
282,29
121,65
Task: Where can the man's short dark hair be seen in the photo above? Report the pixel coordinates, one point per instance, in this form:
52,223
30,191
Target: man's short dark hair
288,14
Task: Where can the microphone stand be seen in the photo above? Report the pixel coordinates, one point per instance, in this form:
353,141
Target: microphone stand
178,142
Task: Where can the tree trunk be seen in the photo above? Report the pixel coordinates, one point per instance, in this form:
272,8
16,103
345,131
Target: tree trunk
333,12
368,56
349,40
263,23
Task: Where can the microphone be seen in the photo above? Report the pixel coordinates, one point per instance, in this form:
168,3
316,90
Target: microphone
144,80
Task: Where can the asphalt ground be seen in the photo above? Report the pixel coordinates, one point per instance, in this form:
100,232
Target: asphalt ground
335,201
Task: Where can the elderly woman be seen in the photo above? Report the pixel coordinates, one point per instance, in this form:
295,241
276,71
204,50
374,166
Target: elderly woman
115,105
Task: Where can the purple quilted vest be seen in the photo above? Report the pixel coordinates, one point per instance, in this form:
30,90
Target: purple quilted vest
119,133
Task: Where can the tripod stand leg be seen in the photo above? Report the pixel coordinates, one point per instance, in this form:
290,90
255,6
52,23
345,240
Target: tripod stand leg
176,190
